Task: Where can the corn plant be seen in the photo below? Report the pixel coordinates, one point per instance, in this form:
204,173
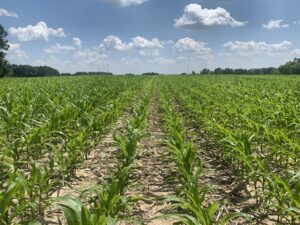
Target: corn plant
255,122
191,198
108,202
9,208
77,214
192,204
38,189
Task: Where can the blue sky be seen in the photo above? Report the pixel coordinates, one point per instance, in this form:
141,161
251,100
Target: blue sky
167,36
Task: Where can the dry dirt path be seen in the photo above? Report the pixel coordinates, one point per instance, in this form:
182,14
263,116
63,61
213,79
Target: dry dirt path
149,176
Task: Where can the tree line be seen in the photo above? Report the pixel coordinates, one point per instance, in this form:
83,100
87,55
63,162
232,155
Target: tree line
291,67
31,71
260,71
86,73
3,47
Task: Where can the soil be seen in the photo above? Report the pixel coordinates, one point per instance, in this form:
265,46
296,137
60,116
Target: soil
149,176
100,164
220,178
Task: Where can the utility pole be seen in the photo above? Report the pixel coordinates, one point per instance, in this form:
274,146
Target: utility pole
107,68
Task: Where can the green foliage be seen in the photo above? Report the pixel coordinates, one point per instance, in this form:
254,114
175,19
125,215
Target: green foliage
292,67
3,46
32,71
255,122
108,202
77,214
47,128
190,202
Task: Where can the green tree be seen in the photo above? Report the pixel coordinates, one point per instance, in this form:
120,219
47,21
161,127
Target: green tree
292,67
3,46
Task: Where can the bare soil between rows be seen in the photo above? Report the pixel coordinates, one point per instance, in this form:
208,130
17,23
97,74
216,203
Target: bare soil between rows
97,168
220,178
149,178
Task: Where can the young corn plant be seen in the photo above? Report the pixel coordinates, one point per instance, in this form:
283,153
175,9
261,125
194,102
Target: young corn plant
108,202
10,209
77,214
191,202
38,188
191,199
232,110
105,203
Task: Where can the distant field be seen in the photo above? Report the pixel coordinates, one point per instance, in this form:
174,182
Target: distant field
89,150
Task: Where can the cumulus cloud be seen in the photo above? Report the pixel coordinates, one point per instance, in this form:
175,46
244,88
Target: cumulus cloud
150,52
4,12
77,42
89,56
182,59
143,45
275,24
252,47
16,54
81,60
129,61
168,42
126,3
195,17
113,43
296,52
38,32
188,45
58,48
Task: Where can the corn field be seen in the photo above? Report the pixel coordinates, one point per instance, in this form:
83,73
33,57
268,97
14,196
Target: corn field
195,150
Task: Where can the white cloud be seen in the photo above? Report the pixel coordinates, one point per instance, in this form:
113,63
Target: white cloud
89,56
4,12
129,61
113,43
58,48
162,61
81,60
275,24
195,17
182,59
296,52
296,22
252,47
188,45
38,32
77,42
16,54
126,3
39,62
143,45
150,52
168,42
